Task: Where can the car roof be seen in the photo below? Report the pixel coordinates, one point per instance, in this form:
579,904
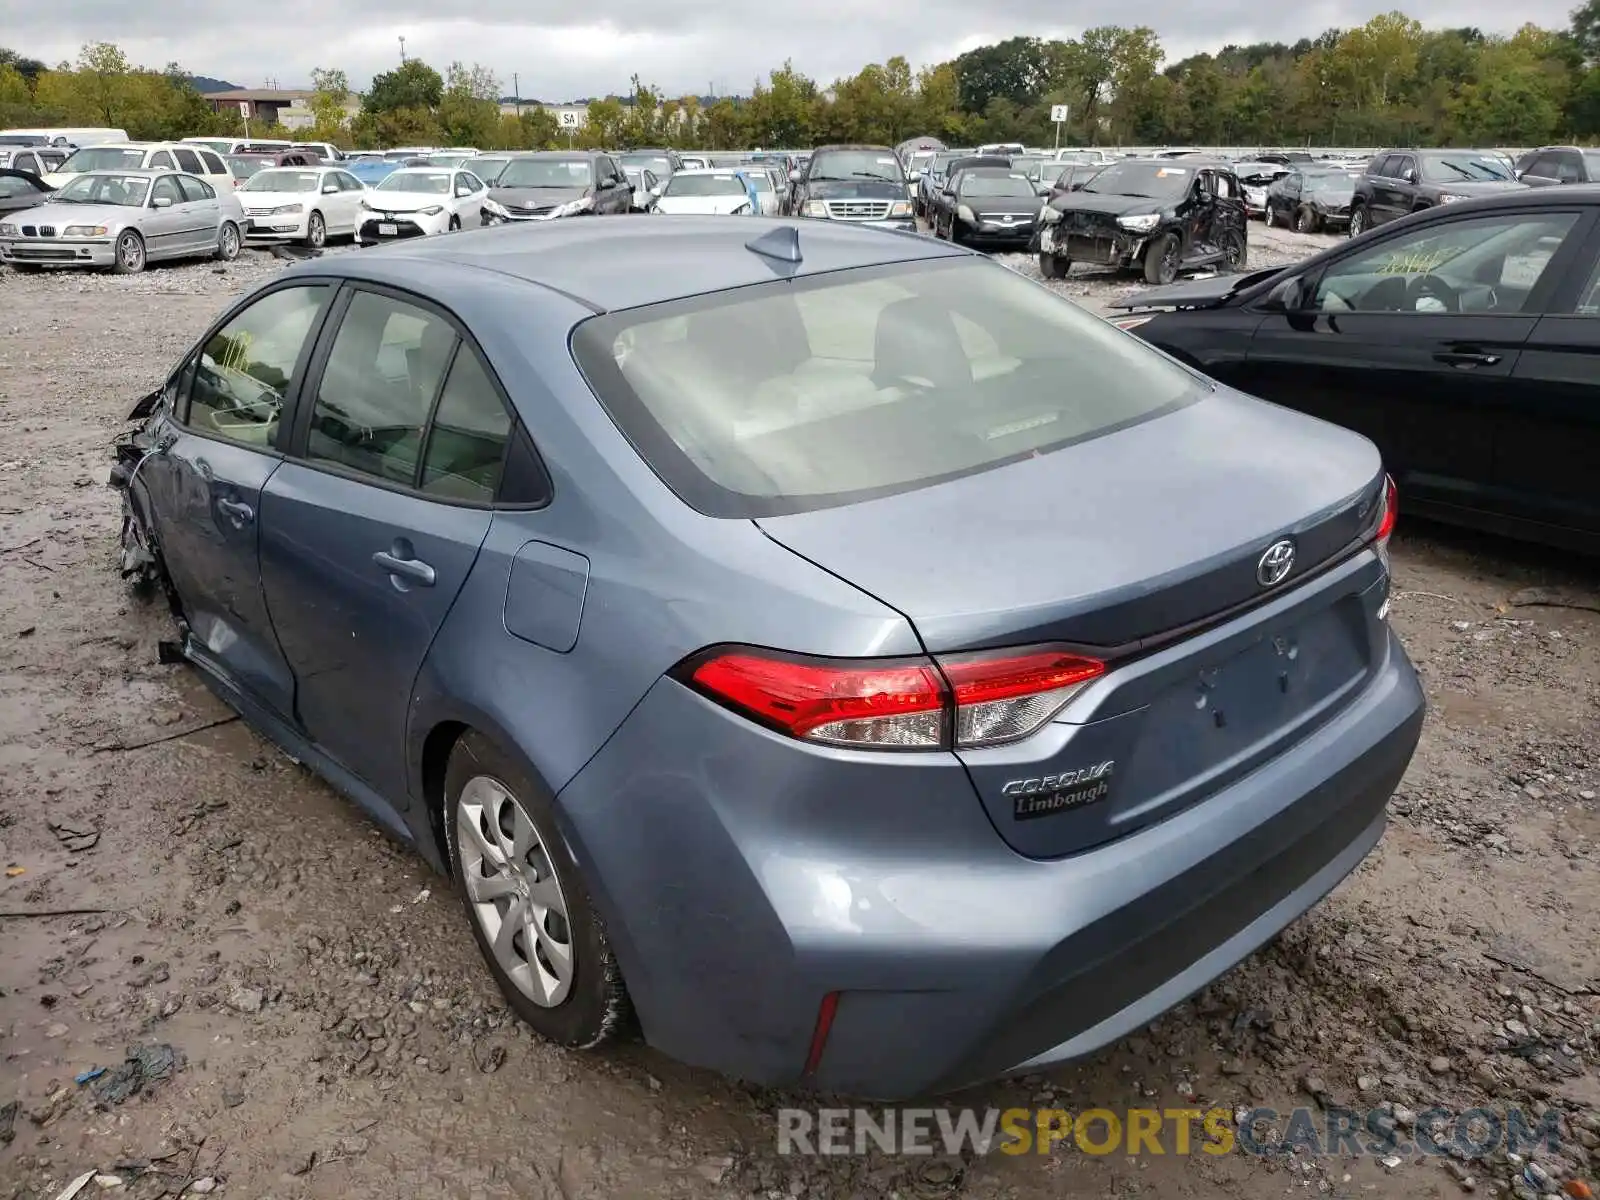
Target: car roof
611,265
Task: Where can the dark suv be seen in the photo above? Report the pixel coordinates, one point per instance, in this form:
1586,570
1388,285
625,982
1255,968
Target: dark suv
864,185
1559,164
1398,182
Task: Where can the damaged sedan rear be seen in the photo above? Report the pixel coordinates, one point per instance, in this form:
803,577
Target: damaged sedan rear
771,647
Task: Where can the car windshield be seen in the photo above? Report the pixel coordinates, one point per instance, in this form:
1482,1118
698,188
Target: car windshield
104,158
797,395
659,163
485,169
447,160
546,172
721,184
941,162
432,183
995,185
245,168
1330,183
856,164
1463,168
760,180
283,181
128,191
1152,181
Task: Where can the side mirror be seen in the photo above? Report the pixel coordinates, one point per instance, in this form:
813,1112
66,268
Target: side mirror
161,202
1294,294
329,188
1409,176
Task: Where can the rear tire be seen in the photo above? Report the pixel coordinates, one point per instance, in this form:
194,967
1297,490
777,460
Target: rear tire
514,869
1054,266
1162,260
229,242
1266,215
1305,221
1358,220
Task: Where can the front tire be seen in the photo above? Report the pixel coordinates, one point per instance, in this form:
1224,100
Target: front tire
455,224
316,231
1054,266
1359,221
130,254
1305,221
526,901
1162,259
1266,215
1235,250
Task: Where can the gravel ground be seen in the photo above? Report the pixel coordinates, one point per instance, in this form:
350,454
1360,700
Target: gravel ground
334,1034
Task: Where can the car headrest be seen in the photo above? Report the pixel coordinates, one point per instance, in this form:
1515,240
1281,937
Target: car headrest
917,343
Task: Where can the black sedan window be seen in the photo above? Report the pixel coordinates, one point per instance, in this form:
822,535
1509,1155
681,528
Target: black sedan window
1490,264
11,186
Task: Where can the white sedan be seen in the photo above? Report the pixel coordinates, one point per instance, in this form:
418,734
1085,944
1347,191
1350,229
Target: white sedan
302,204
709,192
420,201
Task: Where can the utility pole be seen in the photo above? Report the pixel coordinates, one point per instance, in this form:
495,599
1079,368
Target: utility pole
516,87
402,48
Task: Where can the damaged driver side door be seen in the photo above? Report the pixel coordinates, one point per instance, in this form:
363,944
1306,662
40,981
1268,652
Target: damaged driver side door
213,450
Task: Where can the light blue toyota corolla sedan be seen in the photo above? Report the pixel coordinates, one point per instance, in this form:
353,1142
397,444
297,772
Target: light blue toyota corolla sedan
866,667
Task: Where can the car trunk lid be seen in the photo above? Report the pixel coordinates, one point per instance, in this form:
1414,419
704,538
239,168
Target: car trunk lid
1144,548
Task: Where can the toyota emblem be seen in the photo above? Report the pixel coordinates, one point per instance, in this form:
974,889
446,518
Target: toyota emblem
1275,563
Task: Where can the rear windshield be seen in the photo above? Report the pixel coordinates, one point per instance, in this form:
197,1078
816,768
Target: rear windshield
788,397
705,185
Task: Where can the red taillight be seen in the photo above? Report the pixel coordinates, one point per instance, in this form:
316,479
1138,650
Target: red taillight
826,1011
1005,696
885,702
1389,512
963,700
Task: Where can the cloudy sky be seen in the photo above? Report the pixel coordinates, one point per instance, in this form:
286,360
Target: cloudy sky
679,45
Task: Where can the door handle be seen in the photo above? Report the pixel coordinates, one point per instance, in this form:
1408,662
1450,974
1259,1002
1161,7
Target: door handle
237,509
1466,359
410,569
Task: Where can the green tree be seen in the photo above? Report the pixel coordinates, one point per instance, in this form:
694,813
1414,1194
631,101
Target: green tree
469,107
330,96
411,85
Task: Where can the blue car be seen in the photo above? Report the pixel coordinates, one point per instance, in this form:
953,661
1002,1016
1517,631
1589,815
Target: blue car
860,666
373,170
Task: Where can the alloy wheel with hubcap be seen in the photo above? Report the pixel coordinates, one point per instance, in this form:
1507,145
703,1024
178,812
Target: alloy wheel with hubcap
526,898
513,890
1358,222
316,230
129,254
228,242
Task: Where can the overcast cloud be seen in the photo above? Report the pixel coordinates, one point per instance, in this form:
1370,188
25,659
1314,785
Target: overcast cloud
681,46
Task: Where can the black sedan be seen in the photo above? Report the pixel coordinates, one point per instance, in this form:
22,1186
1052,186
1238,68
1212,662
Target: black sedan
987,207
22,189
1464,340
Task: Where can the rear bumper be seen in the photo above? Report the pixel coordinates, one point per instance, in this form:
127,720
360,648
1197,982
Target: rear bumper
744,877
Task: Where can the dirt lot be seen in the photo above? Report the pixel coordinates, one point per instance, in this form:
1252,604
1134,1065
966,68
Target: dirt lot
334,1034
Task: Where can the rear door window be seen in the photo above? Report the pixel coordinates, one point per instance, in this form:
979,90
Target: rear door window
467,438
212,163
383,375
189,161
195,189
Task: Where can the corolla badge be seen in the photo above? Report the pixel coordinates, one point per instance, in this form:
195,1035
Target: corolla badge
1043,796
1275,563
